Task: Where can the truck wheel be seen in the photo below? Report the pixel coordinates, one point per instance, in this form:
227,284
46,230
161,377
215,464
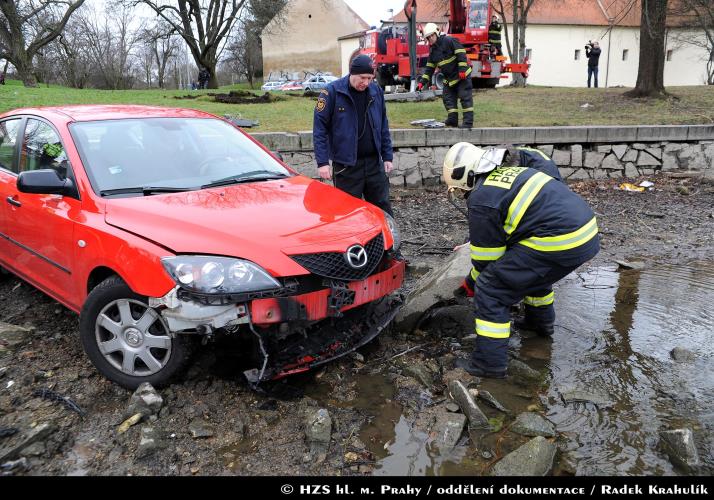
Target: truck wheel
128,341
485,83
439,81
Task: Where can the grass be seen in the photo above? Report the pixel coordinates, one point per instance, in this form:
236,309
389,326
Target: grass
503,107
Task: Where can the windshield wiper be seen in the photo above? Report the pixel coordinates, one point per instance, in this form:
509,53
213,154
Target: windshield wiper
253,175
145,190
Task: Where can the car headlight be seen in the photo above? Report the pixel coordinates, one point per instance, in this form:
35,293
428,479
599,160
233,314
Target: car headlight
207,274
394,230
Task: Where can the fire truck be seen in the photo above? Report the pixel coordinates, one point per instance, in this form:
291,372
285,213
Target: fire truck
401,58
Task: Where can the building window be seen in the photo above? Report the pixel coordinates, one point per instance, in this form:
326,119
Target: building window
669,55
577,54
625,53
529,54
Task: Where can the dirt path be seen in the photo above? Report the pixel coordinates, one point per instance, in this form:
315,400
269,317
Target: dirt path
212,424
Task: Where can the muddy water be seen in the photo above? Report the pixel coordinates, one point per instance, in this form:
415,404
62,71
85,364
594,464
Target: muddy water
613,384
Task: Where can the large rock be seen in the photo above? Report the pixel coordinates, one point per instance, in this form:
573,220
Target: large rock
561,158
521,371
692,158
532,424
318,430
447,429
593,159
437,286
37,434
535,458
13,336
145,400
458,391
619,150
576,155
679,445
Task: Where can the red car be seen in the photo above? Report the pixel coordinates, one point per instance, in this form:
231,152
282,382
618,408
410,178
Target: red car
165,226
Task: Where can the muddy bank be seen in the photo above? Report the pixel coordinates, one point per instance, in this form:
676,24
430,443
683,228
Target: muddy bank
379,411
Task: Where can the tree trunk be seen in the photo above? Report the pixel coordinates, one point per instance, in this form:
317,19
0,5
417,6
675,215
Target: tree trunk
650,73
25,71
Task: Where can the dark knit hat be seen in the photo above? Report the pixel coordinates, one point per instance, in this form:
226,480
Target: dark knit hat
362,65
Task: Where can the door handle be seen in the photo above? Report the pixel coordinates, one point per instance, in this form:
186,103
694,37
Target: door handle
13,201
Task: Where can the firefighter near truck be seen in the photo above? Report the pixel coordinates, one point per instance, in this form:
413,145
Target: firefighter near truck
400,58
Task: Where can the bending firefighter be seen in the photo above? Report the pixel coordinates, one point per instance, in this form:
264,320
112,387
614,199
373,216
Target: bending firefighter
527,231
449,56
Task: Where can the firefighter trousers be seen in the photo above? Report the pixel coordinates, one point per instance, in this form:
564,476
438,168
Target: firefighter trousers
462,91
518,275
366,178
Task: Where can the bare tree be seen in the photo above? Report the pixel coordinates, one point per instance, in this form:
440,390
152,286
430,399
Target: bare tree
162,42
698,19
203,24
72,58
26,26
516,44
650,72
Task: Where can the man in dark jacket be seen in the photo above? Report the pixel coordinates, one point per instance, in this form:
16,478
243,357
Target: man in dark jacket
527,231
350,128
447,54
592,51
494,35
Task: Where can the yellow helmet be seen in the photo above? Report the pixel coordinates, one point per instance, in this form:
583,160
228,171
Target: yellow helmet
430,29
464,162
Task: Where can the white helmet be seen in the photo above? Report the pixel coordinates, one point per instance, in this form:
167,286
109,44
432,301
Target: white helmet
464,162
430,29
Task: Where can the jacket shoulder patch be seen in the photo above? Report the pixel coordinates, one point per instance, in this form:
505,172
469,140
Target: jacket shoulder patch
321,103
324,91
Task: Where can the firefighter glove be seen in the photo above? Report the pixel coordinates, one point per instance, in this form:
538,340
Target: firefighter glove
462,75
420,86
464,290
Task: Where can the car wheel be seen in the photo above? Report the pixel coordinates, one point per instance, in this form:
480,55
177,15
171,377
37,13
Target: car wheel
128,341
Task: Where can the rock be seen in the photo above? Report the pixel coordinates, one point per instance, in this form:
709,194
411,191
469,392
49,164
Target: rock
145,401
457,374
148,443
561,158
682,355
419,372
547,149
437,286
447,429
461,395
611,163
20,465
13,336
656,152
692,157
593,159
452,407
639,145
580,396
532,424
357,357
38,434
636,265
413,179
631,170
631,155
535,458
518,369
679,445
646,160
576,155
604,148
318,430
619,150
200,429
34,450
486,397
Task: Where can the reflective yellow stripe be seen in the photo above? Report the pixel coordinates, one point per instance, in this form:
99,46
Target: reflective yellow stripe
446,61
463,64
431,65
460,51
533,150
487,253
493,330
564,241
449,111
523,200
474,273
467,109
426,77
540,301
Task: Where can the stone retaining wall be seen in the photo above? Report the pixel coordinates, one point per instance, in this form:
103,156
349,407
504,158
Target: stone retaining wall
580,152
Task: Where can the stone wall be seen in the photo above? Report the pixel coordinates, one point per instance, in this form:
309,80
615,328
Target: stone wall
580,152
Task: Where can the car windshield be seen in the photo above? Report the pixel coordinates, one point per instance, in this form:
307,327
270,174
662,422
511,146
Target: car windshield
151,155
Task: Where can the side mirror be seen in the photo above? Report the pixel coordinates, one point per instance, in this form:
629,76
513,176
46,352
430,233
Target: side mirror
45,181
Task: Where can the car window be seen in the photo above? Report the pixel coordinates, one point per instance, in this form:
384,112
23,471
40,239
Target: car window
167,152
42,148
8,140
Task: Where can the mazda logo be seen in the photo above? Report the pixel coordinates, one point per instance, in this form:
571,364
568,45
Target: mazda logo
356,256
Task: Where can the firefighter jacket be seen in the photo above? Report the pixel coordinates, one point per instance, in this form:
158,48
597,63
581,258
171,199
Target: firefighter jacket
523,206
494,33
335,124
537,159
449,56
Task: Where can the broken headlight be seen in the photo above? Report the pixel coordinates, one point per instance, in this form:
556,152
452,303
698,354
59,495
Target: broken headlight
208,274
394,230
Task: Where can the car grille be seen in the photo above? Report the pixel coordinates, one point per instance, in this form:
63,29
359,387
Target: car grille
333,265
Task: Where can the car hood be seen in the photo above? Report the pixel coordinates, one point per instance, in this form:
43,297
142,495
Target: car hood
261,221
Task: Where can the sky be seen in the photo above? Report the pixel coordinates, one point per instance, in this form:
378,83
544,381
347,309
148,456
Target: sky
373,11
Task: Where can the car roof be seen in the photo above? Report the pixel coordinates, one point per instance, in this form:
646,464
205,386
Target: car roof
92,112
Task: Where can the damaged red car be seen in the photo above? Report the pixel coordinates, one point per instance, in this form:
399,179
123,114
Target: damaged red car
163,227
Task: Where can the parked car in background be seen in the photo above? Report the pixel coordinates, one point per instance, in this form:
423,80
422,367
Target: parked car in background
292,85
318,82
274,85
162,227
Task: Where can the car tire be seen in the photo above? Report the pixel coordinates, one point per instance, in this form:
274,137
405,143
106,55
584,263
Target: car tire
128,341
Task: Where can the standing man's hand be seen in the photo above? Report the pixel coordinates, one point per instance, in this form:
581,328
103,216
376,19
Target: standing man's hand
388,166
462,75
325,172
420,86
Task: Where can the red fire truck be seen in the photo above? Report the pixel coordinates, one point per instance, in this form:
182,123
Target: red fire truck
394,49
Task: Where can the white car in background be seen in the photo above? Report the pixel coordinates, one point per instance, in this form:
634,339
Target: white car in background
318,82
274,85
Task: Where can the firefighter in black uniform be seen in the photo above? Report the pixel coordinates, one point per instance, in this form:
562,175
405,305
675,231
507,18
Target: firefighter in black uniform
527,231
449,56
494,35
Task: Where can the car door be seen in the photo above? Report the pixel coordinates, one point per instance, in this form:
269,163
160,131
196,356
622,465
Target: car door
9,138
41,226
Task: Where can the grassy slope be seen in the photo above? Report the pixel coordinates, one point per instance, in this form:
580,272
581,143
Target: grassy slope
504,107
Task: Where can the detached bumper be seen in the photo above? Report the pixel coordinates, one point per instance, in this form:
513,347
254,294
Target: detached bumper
325,303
